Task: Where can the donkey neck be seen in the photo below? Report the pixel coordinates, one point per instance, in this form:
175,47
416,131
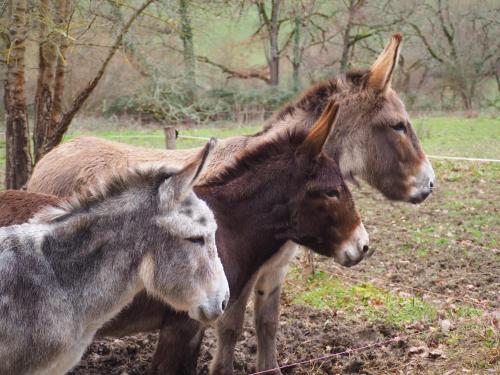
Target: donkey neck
305,110
96,263
253,224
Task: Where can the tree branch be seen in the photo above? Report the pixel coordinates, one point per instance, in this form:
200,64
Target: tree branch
251,73
447,33
63,125
426,43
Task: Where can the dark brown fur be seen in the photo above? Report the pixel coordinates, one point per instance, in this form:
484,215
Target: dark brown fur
17,207
256,214
314,99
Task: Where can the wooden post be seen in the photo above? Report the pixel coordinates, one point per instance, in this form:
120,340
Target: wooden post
307,261
169,137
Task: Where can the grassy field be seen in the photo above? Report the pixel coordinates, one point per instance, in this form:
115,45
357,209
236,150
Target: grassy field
433,280
449,136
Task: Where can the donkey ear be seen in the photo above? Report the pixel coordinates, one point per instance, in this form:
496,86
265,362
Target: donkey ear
313,145
178,185
382,70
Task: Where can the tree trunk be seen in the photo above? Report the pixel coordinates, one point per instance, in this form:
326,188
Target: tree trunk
60,128
296,54
47,52
274,58
346,38
61,19
18,163
188,51
466,101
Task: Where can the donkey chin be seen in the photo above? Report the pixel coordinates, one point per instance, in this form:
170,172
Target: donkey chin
423,183
355,249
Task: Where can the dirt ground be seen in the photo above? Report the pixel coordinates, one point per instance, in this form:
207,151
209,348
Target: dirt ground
442,255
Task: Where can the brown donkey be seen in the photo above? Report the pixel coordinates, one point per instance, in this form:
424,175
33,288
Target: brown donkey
257,216
17,207
372,139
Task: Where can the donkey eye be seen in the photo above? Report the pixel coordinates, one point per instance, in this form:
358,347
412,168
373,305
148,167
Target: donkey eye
333,194
196,240
399,127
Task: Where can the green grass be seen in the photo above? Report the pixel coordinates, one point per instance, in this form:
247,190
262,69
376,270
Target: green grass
447,136
457,136
452,136
363,300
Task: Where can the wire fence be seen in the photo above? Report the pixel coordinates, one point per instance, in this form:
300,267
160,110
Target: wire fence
375,345
333,355
381,282
483,306
378,344
200,138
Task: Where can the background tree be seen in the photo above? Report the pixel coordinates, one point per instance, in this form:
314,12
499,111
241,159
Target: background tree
250,57
51,122
186,35
18,158
445,34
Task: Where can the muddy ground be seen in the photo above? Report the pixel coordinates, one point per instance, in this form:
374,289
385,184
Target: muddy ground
444,252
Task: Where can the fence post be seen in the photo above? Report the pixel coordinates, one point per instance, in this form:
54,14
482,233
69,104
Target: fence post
170,137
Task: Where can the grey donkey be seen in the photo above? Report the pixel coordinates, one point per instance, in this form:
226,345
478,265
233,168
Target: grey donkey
74,267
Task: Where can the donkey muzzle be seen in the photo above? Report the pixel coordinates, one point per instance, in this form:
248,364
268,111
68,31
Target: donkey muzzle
355,249
211,310
424,183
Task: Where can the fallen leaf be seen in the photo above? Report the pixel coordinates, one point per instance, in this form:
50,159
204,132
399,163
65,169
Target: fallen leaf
445,325
437,353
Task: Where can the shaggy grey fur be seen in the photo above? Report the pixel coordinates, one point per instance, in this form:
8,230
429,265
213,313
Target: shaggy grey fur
71,269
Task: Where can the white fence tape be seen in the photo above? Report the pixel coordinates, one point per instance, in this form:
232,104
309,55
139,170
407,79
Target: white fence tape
463,158
2,136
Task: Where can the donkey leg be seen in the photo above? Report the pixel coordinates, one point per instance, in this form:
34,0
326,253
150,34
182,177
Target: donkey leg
178,346
267,304
228,330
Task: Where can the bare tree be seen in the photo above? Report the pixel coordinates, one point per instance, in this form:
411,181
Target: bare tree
51,70
446,36
59,128
188,50
348,41
270,23
51,121
18,164
297,53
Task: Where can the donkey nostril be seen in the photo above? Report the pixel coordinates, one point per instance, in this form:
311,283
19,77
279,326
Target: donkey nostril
431,185
366,248
223,305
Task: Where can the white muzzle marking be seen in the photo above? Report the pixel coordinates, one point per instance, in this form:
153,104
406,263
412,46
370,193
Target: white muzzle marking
355,249
424,183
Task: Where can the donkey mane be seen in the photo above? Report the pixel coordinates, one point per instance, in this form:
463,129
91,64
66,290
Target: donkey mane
255,156
313,100
113,185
